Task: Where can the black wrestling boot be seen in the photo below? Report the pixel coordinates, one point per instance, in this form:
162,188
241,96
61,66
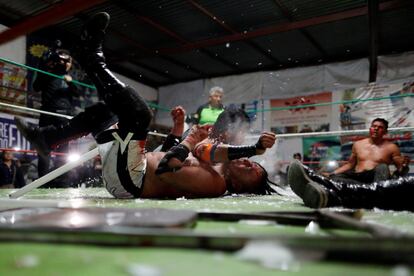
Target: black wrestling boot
312,193
92,58
92,38
94,119
318,191
132,110
393,194
35,135
44,139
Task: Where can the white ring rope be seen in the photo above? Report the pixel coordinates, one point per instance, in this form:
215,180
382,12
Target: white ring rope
286,135
337,132
35,110
60,115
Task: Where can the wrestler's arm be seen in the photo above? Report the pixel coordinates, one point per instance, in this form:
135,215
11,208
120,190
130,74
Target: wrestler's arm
174,159
196,181
400,162
178,117
174,138
218,153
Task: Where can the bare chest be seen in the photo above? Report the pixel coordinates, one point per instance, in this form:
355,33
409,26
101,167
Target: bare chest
374,153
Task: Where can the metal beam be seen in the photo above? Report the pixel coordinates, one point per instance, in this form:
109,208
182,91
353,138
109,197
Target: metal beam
162,29
290,17
129,58
4,17
373,7
133,75
129,40
284,27
220,59
116,58
218,20
212,16
172,34
46,18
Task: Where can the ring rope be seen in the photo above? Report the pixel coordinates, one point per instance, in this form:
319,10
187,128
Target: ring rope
336,132
61,115
248,110
45,72
74,81
35,110
285,135
331,103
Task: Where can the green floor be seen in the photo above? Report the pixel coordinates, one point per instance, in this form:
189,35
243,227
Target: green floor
57,259
38,259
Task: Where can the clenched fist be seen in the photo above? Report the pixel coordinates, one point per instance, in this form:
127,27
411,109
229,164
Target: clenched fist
266,141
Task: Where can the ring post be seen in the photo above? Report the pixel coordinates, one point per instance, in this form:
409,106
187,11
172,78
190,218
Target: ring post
53,174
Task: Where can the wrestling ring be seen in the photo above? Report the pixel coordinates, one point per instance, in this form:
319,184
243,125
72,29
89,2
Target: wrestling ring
73,207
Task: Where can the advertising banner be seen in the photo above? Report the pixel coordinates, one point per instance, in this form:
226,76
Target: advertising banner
13,84
10,137
392,102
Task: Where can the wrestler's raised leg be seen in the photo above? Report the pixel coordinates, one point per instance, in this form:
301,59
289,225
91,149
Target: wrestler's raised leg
133,112
94,119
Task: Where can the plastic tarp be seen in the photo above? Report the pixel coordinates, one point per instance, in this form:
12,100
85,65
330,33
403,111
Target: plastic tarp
285,83
347,74
237,89
189,95
395,67
292,82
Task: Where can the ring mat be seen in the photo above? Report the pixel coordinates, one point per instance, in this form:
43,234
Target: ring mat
75,218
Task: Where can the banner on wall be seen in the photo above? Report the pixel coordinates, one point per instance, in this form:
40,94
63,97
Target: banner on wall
397,109
320,149
10,137
299,120
13,84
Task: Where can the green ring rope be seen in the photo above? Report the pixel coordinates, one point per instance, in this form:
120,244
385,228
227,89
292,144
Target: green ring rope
331,103
152,105
74,81
46,73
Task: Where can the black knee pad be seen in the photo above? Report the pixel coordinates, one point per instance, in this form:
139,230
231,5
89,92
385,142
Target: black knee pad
130,107
98,117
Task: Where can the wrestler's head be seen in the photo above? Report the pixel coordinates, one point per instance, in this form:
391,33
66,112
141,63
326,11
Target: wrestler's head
245,176
379,127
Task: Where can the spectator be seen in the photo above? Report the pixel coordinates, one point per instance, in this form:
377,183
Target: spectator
296,156
57,96
208,113
10,174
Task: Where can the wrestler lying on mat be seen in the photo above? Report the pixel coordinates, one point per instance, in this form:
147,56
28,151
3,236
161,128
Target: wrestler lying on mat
129,172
